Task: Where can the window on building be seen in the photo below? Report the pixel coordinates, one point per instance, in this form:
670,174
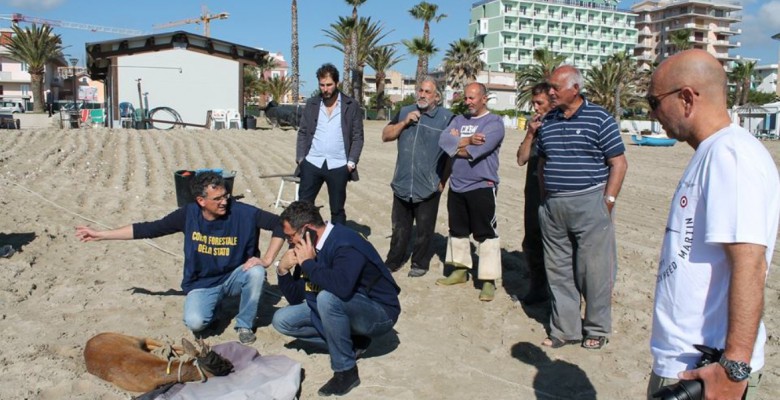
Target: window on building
1,90
276,74
25,89
24,66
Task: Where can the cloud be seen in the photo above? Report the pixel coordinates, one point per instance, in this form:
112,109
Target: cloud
758,25
32,4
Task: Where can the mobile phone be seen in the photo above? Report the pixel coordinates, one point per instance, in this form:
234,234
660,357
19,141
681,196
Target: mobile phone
312,236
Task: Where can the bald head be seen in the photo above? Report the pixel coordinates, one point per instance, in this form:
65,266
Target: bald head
696,69
688,96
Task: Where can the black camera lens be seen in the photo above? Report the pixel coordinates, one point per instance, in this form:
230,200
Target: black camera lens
683,390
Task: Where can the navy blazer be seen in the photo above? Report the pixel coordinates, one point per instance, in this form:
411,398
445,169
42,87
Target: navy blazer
351,128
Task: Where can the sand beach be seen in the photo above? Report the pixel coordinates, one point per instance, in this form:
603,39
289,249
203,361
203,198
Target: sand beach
56,293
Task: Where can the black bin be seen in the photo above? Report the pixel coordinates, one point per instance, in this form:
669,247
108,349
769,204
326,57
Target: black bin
250,122
183,181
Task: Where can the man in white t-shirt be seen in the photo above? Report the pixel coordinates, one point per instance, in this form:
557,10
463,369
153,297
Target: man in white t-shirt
719,238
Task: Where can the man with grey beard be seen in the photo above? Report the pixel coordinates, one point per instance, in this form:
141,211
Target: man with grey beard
419,177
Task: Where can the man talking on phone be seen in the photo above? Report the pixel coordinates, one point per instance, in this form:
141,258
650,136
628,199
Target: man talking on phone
340,292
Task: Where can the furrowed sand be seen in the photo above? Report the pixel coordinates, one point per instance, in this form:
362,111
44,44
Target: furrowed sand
56,293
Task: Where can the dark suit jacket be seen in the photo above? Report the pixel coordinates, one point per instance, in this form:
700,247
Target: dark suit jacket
351,128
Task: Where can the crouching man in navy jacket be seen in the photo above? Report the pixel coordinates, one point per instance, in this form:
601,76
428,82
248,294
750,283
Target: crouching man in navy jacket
340,292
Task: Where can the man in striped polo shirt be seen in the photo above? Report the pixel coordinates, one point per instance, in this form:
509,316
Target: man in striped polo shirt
581,170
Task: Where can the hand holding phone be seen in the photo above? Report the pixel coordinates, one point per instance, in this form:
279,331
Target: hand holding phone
312,236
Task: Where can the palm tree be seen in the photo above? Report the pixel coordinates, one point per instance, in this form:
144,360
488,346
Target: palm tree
369,34
742,77
616,84
252,83
382,59
341,33
462,63
277,87
36,47
427,12
422,48
349,84
545,62
681,40
294,53
254,78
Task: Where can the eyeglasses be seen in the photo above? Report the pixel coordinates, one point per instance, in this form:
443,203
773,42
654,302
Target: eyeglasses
291,236
224,197
655,101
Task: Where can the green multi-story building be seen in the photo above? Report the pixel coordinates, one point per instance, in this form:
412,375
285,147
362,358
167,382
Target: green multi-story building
586,32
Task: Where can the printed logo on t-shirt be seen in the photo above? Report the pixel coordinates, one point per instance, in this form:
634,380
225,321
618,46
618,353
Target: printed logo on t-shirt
684,201
468,130
214,245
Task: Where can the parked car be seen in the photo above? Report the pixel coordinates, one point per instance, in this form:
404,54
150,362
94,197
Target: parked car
11,106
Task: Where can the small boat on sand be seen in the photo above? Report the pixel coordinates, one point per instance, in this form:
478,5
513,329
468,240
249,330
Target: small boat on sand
659,141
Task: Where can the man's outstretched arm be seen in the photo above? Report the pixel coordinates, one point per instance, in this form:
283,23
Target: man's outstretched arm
87,234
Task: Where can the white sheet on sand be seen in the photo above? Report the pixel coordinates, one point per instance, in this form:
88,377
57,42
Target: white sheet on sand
254,377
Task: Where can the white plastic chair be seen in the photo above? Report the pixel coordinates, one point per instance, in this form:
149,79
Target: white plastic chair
218,119
287,178
233,119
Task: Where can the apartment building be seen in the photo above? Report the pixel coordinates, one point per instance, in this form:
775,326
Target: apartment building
708,23
397,86
586,32
766,78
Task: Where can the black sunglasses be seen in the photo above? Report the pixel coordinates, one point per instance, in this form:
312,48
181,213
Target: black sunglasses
655,101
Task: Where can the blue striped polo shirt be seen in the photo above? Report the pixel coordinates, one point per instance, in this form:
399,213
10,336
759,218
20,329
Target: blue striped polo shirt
576,149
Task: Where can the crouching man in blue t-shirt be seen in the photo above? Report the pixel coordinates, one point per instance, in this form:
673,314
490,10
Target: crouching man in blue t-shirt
340,292
220,251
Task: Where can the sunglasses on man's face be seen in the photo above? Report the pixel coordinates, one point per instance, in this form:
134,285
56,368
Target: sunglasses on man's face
654,101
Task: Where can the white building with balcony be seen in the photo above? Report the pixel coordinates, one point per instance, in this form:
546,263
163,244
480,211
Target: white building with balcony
586,32
766,78
708,23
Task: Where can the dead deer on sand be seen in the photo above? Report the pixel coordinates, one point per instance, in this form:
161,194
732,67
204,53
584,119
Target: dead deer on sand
128,362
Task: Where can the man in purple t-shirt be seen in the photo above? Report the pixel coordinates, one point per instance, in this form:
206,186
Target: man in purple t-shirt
472,141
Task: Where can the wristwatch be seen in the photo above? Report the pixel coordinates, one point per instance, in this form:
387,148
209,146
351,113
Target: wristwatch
737,371
610,199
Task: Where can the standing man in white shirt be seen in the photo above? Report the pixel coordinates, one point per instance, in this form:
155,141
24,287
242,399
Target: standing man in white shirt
719,238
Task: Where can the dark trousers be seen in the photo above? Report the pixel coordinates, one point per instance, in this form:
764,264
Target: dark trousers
474,213
533,248
312,179
405,213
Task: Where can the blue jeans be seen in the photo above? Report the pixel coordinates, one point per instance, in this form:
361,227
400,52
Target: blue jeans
201,304
340,319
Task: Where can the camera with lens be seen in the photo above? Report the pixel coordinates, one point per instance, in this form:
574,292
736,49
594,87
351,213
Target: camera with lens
690,389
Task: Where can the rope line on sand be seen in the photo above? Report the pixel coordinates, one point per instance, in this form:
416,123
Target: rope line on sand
149,242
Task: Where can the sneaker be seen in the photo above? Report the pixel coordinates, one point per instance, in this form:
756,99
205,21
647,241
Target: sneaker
417,272
341,383
246,336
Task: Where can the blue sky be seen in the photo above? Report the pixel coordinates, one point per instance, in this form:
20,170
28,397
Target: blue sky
266,24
